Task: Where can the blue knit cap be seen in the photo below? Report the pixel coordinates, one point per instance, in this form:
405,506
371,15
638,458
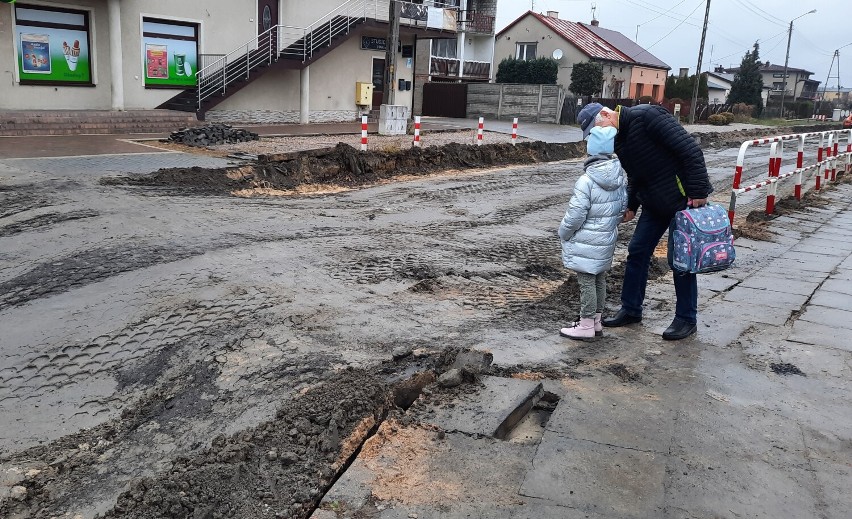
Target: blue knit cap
601,140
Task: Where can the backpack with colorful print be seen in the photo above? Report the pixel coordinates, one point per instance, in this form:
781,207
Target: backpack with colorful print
702,240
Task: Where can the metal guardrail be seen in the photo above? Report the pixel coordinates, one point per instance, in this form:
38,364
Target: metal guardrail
829,156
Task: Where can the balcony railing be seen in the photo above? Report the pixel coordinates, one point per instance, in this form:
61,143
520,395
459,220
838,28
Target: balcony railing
472,21
477,69
444,66
450,67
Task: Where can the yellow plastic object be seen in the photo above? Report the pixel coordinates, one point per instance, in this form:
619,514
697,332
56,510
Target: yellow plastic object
363,93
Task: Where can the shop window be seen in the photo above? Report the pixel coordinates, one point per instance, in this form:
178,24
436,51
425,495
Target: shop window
53,46
526,51
170,53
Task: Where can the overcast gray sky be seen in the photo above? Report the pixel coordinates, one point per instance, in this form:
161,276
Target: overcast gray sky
671,29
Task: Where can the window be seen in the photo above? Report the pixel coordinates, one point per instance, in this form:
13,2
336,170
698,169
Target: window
639,89
778,86
170,53
526,51
655,92
445,48
52,45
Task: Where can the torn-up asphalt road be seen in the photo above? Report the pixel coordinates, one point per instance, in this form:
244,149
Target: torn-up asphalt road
211,356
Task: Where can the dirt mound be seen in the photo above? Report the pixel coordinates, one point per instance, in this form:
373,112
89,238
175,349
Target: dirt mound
280,467
345,166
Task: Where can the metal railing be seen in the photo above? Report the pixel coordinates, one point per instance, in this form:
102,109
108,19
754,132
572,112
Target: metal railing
286,41
476,22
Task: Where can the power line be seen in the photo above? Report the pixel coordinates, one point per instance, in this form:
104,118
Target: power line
676,26
760,13
765,13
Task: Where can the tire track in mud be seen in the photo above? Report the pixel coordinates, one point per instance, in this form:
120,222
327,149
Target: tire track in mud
45,220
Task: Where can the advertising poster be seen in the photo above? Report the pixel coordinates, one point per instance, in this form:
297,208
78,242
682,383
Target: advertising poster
53,55
157,59
170,62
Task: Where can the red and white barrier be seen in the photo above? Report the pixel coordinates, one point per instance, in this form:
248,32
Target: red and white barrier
828,155
479,131
364,133
514,131
416,131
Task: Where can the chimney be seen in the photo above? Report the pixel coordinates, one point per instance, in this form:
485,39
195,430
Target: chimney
719,68
595,22
553,14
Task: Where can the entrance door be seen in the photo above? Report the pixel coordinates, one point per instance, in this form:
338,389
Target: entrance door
378,82
267,15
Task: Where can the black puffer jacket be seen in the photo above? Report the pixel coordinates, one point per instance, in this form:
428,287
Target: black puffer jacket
655,151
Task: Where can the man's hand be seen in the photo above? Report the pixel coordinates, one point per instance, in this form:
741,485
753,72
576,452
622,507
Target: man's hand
628,215
699,202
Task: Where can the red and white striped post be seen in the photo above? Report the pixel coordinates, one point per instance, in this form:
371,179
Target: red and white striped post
514,131
835,152
800,161
819,161
416,131
774,169
828,147
364,133
479,131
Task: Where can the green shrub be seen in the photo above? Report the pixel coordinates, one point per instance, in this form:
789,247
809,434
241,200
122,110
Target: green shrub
729,117
717,120
540,71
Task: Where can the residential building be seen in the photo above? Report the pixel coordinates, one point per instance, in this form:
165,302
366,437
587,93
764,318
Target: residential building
649,73
262,61
629,70
466,56
718,87
839,97
799,85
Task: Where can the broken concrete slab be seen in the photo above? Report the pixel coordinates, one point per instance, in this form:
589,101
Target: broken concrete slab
492,410
632,416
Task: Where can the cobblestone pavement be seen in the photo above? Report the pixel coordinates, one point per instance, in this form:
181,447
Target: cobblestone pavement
195,316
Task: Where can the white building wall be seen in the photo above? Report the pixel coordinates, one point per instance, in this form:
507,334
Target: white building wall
49,97
223,26
274,97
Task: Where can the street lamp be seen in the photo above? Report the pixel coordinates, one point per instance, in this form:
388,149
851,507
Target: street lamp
786,59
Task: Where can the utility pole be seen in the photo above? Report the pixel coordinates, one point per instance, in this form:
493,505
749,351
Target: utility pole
786,60
825,86
389,95
698,67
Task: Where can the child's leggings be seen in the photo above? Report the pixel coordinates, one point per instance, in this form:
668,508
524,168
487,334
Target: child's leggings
592,293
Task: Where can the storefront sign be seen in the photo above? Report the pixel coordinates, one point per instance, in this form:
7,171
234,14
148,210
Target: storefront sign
371,43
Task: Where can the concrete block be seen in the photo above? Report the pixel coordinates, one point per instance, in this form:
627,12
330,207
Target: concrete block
820,334
491,411
837,318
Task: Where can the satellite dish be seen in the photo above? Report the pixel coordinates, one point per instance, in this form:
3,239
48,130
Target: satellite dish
557,54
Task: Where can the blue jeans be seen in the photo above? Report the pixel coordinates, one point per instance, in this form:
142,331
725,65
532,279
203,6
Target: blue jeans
649,230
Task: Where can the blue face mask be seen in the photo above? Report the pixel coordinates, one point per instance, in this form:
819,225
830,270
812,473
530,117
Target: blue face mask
601,140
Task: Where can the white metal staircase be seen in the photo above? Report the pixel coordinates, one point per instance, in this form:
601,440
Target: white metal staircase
284,42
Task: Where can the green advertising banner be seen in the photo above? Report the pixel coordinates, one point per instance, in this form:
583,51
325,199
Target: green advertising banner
53,55
170,62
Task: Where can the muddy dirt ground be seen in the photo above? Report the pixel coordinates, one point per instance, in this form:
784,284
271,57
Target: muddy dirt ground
199,354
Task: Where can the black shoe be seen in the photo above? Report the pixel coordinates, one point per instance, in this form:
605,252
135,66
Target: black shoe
679,329
621,318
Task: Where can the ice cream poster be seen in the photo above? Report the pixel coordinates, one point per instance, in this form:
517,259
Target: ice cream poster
157,60
54,55
35,50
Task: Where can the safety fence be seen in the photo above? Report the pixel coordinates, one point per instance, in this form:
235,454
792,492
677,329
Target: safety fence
829,158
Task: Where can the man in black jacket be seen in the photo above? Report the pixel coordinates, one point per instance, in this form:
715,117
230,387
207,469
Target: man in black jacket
665,170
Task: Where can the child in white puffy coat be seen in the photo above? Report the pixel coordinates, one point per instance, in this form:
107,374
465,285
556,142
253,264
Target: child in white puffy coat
589,229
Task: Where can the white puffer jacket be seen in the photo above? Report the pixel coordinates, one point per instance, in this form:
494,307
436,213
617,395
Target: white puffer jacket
589,229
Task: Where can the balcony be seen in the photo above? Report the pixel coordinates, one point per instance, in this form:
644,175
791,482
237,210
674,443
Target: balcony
442,16
449,67
475,22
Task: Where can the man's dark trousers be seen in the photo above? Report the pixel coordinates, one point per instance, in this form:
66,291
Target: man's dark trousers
649,230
